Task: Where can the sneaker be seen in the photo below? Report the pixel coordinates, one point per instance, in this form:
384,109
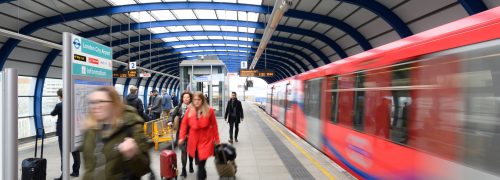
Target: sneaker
236,140
230,141
73,174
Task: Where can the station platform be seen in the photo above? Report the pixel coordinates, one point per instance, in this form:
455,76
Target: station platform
266,150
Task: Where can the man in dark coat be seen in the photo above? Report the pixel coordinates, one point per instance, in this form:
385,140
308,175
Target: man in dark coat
76,154
175,100
235,113
134,101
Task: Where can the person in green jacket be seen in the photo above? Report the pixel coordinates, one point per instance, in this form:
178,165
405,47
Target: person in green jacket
114,145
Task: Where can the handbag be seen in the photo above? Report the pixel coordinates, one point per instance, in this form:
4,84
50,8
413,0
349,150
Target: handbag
176,123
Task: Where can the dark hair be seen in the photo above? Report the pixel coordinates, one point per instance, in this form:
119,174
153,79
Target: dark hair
154,91
59,92
190,96
234,93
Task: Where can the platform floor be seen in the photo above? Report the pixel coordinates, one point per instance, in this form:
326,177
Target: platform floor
266,150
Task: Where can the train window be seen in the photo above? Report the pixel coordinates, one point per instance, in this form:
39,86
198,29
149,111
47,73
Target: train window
333,93
400,104
312,98
378,97
359,102
345,100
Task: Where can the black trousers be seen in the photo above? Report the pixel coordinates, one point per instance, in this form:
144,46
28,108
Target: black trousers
75,154
232,124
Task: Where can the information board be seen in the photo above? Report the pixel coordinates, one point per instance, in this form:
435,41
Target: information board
256,73
91,67
125,74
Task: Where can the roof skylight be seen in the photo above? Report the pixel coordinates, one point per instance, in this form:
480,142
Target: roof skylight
141,16
185,38
184,14
200,37
194,28
158,30
163,15
179,46
205,14
170,39
176,28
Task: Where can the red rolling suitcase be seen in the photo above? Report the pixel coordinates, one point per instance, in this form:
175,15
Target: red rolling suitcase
168,163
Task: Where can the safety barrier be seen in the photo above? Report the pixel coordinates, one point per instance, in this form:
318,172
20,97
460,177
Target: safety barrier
159,131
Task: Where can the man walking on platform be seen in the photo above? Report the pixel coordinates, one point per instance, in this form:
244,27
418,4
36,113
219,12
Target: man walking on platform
76,154
175,101
166,103
155,107
235,113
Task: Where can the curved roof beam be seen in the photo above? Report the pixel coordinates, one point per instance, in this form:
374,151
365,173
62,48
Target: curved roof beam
252,51
136,26
32,27
473,6
162,60
385,13
271,50
169,44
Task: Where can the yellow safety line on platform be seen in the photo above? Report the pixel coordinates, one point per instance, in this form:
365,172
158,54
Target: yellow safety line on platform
308,156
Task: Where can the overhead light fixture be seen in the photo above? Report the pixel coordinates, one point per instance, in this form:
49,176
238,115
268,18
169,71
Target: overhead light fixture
281,6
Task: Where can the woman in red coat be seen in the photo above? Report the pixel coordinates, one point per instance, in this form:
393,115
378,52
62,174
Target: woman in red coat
203,132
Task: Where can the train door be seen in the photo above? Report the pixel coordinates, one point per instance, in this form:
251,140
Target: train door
312,100
287,104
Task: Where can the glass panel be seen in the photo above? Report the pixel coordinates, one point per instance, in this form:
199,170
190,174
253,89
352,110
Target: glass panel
25,106
158,30
141,16
205,14
26,86
346,100
184,14
51,86
359,102
141,93
119,88
333,84
25,128
170,39
163,15
48,104
49,123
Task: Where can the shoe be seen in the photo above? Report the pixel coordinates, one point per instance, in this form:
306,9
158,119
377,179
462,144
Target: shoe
73,174
183,174
191,169
236,140
59,178
230,141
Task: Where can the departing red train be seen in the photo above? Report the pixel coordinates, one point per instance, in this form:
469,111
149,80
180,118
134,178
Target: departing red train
423,107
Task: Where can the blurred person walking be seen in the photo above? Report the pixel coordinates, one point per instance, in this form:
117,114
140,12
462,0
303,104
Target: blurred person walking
114,145
155,102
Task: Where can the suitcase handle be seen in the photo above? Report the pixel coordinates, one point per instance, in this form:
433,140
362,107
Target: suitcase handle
36,142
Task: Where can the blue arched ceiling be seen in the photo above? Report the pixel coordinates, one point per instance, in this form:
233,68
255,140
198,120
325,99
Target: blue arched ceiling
471,6
11,43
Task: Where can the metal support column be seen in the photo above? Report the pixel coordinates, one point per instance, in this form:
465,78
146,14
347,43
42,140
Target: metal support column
67,103
9,125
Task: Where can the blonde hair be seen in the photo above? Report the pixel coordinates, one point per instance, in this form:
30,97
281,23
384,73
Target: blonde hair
118,108
133,89
205,109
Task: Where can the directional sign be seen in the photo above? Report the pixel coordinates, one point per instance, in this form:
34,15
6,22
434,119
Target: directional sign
256,73
243,64
132,65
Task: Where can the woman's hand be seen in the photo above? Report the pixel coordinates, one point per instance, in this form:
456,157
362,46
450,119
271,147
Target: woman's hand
181,141
128,148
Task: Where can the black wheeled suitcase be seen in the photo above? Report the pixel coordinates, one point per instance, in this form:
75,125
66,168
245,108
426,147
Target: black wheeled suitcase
35,168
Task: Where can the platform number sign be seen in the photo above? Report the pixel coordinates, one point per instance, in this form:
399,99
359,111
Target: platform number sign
243,64
132,65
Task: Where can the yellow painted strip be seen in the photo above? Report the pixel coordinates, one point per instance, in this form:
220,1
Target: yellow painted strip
313,161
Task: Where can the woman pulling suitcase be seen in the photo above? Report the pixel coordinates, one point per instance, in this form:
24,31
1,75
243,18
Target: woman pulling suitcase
203,132
177,115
